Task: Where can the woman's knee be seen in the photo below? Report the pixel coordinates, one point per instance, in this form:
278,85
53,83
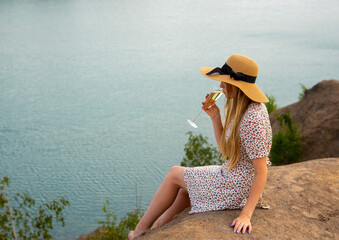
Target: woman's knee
176,173
176,170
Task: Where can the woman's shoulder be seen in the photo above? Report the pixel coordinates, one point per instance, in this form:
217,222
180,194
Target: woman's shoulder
256,112
257,107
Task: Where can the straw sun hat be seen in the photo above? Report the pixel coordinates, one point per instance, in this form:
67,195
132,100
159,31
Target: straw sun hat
240,71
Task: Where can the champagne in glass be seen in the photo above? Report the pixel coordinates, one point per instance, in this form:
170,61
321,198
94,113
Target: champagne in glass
211,99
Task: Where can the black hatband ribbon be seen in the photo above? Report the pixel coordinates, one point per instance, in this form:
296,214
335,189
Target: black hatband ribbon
227,70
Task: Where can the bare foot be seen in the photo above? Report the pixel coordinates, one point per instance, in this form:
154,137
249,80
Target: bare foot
133,234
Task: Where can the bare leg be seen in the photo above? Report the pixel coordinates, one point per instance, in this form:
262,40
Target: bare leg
181,202
162,200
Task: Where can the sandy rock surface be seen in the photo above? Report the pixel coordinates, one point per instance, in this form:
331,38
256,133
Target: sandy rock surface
304,204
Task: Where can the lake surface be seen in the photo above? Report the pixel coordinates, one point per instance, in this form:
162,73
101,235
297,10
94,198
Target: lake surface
94,95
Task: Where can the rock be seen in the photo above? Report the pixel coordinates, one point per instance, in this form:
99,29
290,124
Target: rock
304,205
317,115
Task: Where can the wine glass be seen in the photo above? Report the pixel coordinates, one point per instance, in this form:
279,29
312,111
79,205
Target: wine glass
211,99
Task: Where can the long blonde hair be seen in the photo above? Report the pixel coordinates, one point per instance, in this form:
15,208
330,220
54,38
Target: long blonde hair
235,109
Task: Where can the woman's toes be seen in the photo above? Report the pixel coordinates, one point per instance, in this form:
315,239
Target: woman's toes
131,235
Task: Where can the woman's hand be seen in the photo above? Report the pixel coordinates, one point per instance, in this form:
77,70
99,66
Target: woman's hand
241,223
213,111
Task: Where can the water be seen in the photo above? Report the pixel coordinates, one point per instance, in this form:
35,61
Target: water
94,95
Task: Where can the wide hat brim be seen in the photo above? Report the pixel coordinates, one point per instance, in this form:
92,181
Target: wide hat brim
250,89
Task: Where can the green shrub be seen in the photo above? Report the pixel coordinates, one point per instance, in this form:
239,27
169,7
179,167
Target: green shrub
303,90
26,221
271,105
286,146
111,229
198,152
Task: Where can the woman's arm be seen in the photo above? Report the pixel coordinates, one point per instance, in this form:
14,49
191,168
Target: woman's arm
214,113
260,176
217,126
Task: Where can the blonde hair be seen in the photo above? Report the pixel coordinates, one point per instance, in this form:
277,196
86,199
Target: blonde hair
234,109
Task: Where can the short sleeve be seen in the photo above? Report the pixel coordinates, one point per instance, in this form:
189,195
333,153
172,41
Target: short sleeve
255,132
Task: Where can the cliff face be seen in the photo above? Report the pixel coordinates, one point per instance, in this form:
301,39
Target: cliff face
304,205
317,115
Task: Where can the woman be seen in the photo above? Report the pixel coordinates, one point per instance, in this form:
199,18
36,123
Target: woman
244,142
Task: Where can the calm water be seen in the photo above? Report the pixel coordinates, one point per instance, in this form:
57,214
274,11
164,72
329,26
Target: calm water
94,95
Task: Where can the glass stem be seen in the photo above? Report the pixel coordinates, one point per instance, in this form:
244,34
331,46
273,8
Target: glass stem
198,115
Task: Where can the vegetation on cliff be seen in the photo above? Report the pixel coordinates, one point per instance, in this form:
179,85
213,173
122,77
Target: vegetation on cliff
111,229
23,219
199,152
286,146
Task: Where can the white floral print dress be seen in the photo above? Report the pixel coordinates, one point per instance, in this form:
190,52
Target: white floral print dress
212,188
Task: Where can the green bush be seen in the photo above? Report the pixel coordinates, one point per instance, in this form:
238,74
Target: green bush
111,229
303,90
286,146
198,152
26,221
271,105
